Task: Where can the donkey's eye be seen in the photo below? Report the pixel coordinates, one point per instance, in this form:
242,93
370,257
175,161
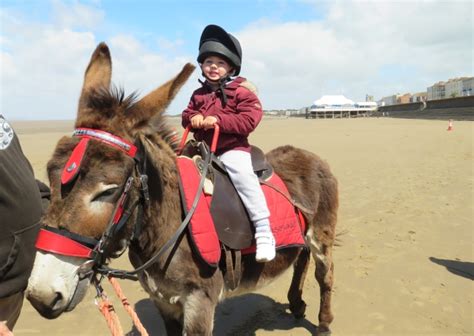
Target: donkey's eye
108,195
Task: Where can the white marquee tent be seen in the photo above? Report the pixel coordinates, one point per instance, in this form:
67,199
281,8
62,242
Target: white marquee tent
333,101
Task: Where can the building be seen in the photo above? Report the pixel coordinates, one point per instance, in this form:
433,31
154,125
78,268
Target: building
367,104
455,87
389,100
338,106
418,97
459,87
403,99
335,101
436,91
468,86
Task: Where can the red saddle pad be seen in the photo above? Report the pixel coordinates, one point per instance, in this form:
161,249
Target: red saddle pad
286,221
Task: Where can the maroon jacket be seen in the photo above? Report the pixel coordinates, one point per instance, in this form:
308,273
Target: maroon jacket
237,119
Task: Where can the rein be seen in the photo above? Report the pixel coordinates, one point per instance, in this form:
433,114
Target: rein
116,273
64,242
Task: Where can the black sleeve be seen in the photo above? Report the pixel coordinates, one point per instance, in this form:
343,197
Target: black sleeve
45,193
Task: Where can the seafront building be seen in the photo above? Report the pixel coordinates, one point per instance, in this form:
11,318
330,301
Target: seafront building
338,106
437,91
453,88
459,87
418,97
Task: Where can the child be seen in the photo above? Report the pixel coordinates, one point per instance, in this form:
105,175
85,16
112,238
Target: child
230,103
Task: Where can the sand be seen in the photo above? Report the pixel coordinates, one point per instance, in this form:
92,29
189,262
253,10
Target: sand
405,265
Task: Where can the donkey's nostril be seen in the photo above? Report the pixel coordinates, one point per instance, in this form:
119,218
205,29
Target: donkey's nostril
49,310
57,300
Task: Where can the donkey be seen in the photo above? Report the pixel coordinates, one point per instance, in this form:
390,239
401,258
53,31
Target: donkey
101,204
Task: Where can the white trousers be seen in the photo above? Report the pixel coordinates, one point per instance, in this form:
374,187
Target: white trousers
239,166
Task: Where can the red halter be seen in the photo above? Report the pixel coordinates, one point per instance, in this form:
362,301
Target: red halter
56,243
61,244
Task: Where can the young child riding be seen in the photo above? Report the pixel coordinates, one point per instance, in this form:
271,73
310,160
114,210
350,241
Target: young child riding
227,100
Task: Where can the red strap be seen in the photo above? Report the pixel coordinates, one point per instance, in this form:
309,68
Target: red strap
215,138
106,137
183,139
56,243
74,163
201,226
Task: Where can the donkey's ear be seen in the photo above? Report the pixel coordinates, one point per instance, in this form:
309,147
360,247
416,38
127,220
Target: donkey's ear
98,74
158,100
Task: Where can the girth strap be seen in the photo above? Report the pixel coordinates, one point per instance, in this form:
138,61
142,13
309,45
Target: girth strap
233,266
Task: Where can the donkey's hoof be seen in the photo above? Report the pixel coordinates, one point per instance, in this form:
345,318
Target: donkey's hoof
324,331
298,310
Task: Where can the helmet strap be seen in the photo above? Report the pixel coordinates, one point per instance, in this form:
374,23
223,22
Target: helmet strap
220,84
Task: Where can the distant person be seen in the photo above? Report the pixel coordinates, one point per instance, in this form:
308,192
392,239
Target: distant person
21,207
230,102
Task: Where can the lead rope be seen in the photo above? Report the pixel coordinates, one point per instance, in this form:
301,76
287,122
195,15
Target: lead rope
110,315
108,310
128,308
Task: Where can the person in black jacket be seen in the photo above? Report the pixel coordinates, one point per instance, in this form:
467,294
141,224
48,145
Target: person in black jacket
22,200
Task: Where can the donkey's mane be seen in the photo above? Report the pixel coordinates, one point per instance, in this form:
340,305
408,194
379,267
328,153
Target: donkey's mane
109,100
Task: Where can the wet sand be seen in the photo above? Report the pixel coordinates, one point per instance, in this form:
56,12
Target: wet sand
405,265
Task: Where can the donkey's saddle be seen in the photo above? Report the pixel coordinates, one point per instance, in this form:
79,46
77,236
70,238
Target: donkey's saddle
220,215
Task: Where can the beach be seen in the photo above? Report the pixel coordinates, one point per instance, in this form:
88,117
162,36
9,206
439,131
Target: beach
404,264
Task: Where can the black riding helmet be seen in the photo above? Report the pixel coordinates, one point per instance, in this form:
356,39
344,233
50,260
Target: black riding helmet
215,40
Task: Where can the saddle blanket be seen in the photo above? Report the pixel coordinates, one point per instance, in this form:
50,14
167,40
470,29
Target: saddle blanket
287,222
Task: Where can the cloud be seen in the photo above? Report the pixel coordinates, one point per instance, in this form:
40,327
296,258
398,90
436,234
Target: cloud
76,15
38,68
135,67
349,50
42,64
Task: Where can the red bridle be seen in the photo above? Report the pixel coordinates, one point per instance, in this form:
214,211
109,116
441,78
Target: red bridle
58,243
74,163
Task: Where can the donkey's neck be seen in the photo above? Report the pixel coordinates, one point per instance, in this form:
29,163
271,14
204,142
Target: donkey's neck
163,217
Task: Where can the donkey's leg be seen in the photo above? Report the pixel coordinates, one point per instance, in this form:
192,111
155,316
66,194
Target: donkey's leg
325,274
297,305
172,316
322,254
199,310
173,327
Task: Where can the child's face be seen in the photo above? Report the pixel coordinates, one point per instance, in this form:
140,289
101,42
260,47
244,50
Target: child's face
214,68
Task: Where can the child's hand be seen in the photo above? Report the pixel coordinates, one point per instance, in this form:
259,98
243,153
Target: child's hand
196,121
209,122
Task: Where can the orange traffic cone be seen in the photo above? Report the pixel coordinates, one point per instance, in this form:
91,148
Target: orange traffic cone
450,125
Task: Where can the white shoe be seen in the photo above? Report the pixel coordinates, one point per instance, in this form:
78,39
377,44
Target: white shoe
265,247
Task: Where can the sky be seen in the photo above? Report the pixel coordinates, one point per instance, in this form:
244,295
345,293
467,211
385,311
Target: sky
294,51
